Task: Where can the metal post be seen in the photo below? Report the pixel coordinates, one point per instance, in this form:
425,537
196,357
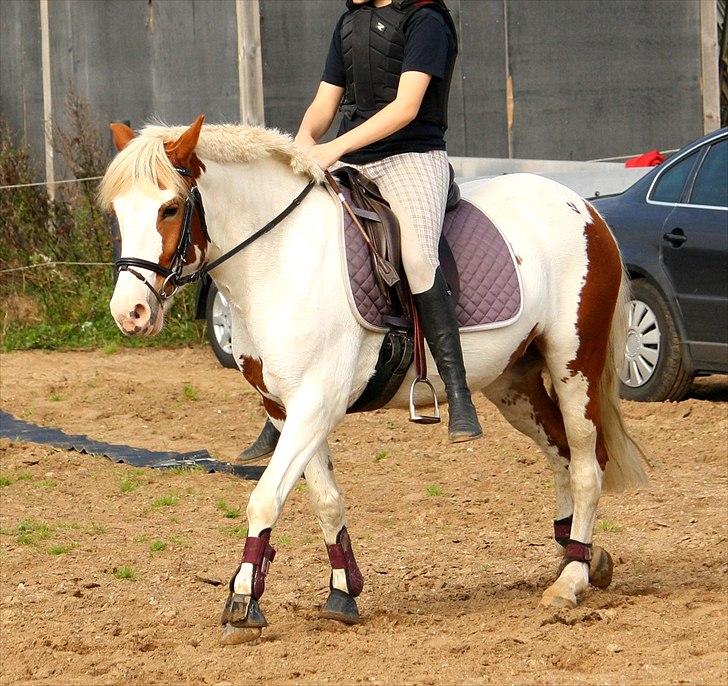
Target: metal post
47,98
510,103
709,82
250,62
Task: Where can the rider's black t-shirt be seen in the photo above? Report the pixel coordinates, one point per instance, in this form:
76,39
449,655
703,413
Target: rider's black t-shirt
428,44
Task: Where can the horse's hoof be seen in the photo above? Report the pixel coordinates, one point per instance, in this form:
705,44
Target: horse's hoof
243,612
233,635
555,597
601,568
341,607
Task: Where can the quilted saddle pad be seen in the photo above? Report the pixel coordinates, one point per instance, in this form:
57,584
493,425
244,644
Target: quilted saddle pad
490,284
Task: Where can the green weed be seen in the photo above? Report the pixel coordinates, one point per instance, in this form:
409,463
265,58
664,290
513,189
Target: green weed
609,526
284,540
190,392
381,455
169,500
29,532
60,549
24,476
434,490
229,511
128,484
46,484
157,546
55,397
111,349
237,531
124,573
301,488
5,481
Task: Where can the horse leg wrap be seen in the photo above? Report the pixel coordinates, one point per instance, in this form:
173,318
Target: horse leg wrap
259,553
243,610
341,556
575,551
562,530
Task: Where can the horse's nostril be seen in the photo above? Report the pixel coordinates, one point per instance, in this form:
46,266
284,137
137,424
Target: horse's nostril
140,311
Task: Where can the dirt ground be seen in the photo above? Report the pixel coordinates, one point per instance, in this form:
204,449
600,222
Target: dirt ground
454,543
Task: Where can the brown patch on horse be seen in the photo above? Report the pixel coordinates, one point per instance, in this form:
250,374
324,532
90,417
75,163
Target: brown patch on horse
253,373
520,351
546,411
594,318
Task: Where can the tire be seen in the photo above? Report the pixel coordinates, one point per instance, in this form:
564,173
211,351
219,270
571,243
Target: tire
654,369
217,316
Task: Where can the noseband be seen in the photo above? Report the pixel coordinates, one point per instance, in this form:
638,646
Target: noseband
173,275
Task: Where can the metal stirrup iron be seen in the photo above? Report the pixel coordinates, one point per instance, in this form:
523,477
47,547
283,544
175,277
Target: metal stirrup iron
421,370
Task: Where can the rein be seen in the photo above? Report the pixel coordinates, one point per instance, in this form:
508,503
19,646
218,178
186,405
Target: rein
173,275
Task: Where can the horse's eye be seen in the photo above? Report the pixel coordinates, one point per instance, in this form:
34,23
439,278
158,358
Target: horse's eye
169,211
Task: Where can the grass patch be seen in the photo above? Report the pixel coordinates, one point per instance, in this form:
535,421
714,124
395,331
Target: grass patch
95,529
381,455
190,392
434,490
124,573
237,531
29,532
301,488
284,540
24,476
46,484
169,500
111,349
609,526
5,481
128,484
60,549
229,511
55,397
157,546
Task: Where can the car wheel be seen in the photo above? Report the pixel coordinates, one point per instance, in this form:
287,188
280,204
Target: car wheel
219,328
653,368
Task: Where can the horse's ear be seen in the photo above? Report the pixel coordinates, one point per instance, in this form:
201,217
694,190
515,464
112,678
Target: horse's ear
185,145
122,135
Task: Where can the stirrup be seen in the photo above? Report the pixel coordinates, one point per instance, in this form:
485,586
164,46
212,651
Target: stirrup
414,415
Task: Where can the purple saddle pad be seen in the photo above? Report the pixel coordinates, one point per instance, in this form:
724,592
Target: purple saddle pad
490,290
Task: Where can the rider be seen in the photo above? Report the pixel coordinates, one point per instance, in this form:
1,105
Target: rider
388,70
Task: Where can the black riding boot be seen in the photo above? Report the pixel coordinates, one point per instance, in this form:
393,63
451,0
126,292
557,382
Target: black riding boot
440,326
264,445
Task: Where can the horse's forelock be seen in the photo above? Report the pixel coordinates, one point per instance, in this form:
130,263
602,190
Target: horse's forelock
143,164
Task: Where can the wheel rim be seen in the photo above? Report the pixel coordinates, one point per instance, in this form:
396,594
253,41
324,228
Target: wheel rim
642,350
221,322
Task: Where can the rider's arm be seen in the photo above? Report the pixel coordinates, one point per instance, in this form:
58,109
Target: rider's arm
400,112
320,114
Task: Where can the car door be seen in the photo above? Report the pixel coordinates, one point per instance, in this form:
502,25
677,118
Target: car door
694,254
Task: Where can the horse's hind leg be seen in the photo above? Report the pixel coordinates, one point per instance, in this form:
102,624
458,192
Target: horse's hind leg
521,396
346,581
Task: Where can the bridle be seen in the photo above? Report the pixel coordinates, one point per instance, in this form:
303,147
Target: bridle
173,274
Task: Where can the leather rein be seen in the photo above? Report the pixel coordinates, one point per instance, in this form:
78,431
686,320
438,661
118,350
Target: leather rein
173,274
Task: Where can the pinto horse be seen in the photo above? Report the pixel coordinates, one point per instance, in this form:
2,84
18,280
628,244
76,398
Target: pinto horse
552,373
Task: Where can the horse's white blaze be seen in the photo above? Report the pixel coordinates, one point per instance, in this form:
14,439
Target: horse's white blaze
137,215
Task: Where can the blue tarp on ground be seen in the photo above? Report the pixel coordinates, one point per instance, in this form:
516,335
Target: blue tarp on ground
19,430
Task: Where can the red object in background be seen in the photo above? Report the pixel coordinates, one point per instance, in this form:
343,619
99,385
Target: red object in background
651,158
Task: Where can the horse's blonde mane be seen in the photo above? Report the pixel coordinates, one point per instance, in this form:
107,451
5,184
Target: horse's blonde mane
143,162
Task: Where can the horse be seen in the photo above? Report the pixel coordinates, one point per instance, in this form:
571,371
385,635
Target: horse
192,198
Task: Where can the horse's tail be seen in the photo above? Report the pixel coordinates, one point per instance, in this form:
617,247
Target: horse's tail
625,466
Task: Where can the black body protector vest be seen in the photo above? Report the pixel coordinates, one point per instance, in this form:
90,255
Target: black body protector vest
372,41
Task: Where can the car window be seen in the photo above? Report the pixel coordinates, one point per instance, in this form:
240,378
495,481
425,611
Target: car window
669,186
711,183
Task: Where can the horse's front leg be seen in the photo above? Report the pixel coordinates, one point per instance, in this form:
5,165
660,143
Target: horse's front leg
346,581
307,424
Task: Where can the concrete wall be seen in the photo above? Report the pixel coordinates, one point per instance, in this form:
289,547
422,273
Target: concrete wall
591,78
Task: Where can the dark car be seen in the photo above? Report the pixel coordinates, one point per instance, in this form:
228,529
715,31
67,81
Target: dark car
672,229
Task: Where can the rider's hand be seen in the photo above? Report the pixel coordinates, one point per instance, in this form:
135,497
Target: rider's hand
326,154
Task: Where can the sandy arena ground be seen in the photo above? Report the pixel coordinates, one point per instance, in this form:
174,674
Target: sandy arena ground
454,572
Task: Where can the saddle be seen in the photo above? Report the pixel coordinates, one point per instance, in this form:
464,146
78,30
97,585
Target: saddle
404,341
477,262
382,230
